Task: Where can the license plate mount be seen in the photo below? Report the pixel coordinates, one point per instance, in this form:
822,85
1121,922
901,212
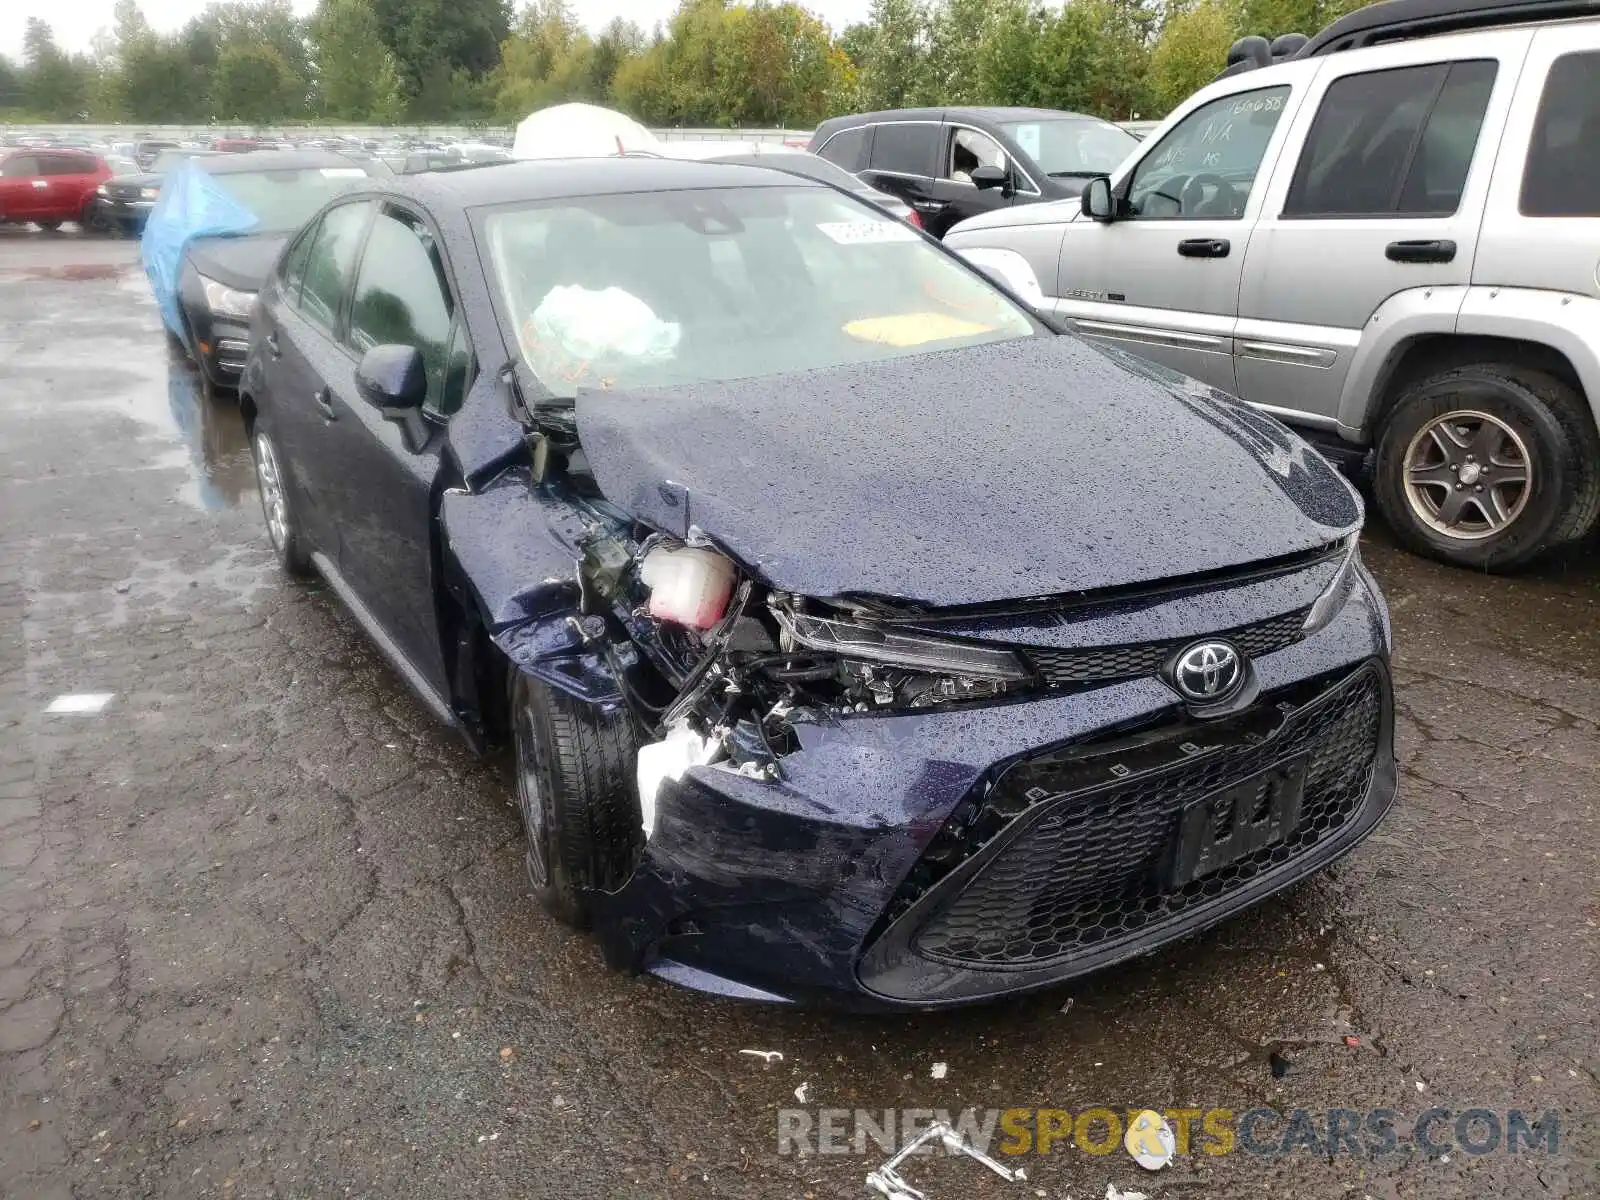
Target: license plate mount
1237,820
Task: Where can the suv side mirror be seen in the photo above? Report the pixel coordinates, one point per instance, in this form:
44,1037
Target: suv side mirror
989,176
1097,202
393,379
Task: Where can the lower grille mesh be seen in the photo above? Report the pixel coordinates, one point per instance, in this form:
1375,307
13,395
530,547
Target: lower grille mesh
1090,871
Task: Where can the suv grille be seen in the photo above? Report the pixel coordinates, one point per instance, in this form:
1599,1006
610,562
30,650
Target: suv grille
1089,866
1103,663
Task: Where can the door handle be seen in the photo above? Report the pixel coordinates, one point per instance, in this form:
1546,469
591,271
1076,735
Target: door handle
1423,251
1204,247
323,399
40,184
271,342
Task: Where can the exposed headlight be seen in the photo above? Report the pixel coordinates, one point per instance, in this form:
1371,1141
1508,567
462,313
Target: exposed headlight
1333,596
910,651
149,193
226,301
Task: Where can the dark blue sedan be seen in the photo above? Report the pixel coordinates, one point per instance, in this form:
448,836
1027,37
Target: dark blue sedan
857,635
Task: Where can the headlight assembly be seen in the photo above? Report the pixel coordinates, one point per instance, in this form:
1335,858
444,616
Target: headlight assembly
1333,597
102,190
226,301
909,651
149,193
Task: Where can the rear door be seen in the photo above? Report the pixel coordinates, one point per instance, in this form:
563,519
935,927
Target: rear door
963,148
23,190
310,364
1397,148
1162,279
402,296
902,157
72,179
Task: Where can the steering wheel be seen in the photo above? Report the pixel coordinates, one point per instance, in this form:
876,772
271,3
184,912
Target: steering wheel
1194,196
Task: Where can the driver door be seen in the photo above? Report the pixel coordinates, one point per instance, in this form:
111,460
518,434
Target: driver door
1162,280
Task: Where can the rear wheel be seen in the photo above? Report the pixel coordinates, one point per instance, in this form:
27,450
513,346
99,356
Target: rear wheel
1488,466
578,796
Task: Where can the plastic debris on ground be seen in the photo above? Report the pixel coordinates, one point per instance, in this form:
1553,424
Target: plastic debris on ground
887,1181
80,702
940,1070
766,1056
801,1092
1113,1192
1150,1140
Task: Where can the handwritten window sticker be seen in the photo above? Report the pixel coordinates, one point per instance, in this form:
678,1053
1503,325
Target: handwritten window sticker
866,233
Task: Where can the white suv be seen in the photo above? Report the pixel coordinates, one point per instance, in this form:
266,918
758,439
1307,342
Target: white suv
1389,241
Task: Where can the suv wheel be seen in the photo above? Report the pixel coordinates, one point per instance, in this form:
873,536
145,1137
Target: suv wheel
575,765
1488,466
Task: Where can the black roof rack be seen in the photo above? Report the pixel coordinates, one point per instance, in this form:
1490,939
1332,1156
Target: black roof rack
1400,20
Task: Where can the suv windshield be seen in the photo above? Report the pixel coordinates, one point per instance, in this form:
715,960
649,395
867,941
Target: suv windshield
284,200
687,286
1072,145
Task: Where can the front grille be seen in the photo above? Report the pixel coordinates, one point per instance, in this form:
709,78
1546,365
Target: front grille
1089,867
1101,664
119,191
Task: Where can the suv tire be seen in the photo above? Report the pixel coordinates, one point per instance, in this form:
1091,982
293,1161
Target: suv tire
1517,413
575,765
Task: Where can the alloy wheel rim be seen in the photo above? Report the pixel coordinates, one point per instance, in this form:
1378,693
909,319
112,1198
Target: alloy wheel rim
531,799
270,484
1468,475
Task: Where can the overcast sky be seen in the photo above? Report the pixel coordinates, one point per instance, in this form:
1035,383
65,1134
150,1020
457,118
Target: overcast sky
75,21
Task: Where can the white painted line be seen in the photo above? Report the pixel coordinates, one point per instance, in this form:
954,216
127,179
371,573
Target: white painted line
80,702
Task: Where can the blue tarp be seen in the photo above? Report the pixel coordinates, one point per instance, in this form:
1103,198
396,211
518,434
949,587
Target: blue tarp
191,205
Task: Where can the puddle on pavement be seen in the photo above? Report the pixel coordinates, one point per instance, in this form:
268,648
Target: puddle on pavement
75,271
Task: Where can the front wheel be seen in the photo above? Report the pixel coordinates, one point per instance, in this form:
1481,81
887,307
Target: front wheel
577,792
1488,466
48,226
282,529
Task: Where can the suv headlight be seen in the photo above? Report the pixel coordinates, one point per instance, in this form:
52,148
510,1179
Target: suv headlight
149,193
1333,597
102,190
226,301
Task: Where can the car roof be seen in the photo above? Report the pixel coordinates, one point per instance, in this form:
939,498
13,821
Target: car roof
960,112
477,184
1403,20
272,160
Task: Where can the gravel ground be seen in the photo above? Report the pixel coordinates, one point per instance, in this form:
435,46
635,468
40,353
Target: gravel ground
264,929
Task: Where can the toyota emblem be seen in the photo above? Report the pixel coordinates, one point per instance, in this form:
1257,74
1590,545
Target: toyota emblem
1208,672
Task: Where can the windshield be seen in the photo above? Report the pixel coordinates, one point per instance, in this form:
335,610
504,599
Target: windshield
1072,145
676,287
285,199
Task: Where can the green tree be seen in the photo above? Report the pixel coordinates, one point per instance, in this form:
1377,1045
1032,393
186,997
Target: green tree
547,59
433,41
1190,51
896,59
254,84
956,31
1007,70
357,78
53,85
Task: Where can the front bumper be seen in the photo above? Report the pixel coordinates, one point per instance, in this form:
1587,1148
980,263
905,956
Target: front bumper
824,885
130,214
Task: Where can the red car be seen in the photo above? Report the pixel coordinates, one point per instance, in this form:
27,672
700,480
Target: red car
49,186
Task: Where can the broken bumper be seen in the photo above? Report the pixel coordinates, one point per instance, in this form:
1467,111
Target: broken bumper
949,856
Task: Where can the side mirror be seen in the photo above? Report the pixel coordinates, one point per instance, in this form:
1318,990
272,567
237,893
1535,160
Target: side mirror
393,379
1097,202
989,176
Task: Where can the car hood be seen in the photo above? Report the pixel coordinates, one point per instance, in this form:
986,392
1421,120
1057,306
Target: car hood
239,261
967,476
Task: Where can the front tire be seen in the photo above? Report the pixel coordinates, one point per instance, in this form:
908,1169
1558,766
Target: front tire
1488,466
283,530
48,226
576,789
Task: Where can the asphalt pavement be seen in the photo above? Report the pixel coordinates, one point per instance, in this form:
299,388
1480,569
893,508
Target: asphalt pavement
264,929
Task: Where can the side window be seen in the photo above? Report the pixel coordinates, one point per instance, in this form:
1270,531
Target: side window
330,263
21,166
458,371
1205,166
1393,142
846,148
905,149
970,149
293,272
401,298
1562,178
60,164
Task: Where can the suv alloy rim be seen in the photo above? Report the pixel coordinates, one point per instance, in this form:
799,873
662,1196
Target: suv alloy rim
271,486
1468,475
